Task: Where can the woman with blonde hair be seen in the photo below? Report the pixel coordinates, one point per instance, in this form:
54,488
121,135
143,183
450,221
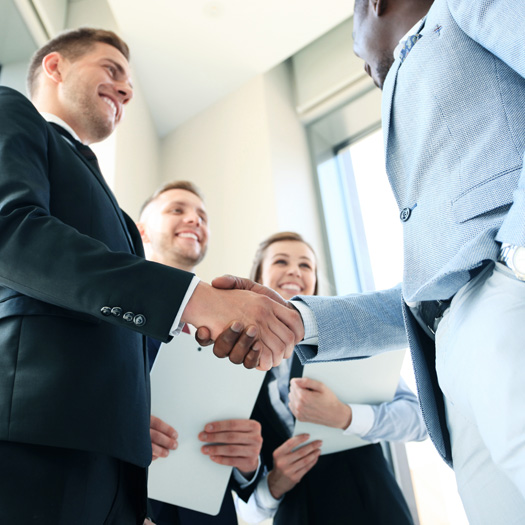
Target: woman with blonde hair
301,487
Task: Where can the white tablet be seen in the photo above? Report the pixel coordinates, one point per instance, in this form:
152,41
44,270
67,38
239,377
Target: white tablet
190,387
370,381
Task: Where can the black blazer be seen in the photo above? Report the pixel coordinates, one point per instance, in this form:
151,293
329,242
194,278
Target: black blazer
76,298
353,486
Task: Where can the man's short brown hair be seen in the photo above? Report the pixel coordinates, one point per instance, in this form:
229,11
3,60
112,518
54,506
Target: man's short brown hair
72,45
174,185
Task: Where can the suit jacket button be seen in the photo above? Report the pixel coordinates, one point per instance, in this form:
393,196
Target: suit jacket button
405,214
105,310
139,320
128,316
116,311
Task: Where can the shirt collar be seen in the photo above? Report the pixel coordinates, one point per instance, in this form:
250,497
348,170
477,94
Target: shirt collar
412,31
57,120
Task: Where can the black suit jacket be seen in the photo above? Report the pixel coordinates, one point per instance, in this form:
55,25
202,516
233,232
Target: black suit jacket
353,486
73,373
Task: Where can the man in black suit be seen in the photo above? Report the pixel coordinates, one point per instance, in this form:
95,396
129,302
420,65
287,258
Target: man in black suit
77,299
175,230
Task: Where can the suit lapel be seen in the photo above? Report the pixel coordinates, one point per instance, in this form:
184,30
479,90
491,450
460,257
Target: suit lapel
105,187
389,88
136,239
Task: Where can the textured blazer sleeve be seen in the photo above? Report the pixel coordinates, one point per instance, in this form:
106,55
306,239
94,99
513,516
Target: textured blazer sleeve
356,325
497,25
44,256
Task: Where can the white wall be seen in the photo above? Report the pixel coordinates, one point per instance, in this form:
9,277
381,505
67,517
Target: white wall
225,151
248,154
13,75
129,159
137,173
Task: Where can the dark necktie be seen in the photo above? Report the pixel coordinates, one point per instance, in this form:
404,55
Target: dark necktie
296,369
84,150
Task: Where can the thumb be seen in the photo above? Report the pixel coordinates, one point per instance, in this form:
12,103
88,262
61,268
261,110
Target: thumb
230,282
203,336
308,383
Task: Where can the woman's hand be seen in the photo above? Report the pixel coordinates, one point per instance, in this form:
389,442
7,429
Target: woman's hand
313,402
289,465
234,442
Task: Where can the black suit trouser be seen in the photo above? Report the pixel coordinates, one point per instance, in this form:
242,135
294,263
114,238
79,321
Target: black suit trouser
55,486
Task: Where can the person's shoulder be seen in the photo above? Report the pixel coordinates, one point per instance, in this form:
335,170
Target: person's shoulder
19,113
9,96
12,101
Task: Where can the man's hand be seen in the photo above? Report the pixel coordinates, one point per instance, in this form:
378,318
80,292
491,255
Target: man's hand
289,465
231,282
251,324
163,438
313,402
236,343
236,443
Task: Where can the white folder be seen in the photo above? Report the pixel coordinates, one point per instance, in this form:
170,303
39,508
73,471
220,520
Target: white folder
369,381
190,387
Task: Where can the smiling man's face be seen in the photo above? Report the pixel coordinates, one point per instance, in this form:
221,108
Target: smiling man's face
93,90
174,229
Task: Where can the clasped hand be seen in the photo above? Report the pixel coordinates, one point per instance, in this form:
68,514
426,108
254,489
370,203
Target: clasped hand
247,322
313,402
233,442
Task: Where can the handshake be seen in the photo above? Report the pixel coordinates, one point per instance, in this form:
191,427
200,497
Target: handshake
248,322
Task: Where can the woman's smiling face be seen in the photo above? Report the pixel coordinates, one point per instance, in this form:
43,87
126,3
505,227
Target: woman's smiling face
288,267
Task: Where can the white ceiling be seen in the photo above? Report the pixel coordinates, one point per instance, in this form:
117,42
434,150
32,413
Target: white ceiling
187,54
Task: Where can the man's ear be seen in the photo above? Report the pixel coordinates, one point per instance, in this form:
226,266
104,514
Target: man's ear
142,230
378,6
52,66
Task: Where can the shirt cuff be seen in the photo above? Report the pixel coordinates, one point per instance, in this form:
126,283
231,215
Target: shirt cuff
176,327
362,420
309,321
241,480
264,496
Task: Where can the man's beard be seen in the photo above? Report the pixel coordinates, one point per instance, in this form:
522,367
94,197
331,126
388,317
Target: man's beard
383,67
188,260
95,124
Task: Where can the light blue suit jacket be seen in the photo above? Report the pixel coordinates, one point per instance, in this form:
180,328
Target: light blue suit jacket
454,132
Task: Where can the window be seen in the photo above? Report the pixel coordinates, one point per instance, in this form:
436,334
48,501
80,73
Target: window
365,239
